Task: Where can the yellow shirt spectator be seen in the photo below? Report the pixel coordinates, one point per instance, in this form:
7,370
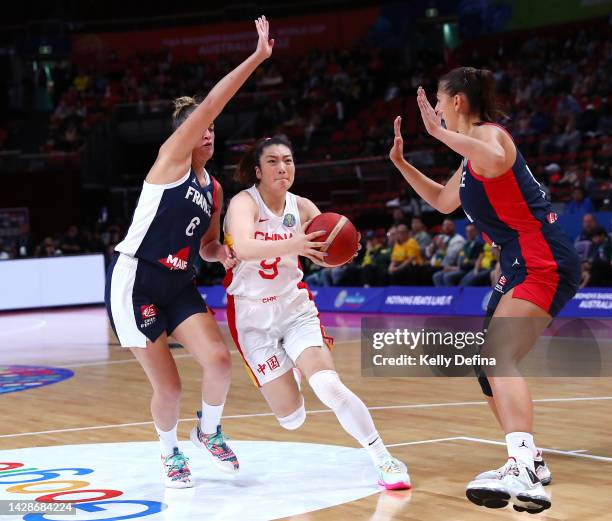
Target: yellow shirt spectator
405,250
487,257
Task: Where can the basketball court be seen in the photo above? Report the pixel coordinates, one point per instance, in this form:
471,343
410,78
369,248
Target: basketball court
86,435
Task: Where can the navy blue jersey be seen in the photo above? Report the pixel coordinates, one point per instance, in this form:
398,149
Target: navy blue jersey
170,221
512,212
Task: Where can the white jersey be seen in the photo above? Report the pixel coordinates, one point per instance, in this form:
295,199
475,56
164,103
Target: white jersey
268,278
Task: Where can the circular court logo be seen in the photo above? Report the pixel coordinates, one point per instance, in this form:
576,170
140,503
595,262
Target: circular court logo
22,377
306,476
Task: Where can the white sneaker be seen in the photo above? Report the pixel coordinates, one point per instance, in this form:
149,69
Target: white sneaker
393,475
541,470
175,472
519,486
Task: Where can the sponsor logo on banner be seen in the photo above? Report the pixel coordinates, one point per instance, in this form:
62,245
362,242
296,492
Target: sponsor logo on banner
177,261
419,300
349,300
593,302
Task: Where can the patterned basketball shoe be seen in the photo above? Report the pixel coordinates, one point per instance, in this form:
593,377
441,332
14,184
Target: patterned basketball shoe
393,475
215,446
541,470
519,486
175,472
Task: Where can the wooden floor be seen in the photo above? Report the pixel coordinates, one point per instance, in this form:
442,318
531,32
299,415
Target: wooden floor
439,426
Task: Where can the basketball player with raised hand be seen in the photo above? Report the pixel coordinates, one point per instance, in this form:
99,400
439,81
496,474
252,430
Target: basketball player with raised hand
540,268
271,315
150,290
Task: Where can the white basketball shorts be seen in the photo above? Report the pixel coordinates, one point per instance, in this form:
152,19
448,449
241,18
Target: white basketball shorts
271,333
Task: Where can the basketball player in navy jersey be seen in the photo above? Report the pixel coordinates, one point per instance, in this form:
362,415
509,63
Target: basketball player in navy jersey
151,290
271,314
540,268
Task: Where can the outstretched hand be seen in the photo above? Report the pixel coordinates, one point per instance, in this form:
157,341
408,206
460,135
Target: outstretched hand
396,154
431,120
264,44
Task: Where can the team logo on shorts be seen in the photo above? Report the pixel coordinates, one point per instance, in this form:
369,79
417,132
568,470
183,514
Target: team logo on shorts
551,217
501,283
271,364
289,220
148,314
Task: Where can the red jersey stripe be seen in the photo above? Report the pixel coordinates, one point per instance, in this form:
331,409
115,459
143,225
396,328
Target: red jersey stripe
542,279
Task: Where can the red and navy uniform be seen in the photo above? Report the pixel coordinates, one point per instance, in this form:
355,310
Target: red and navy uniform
537,258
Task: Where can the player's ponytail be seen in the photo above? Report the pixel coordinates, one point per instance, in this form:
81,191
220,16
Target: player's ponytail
245,171
183,107
479,88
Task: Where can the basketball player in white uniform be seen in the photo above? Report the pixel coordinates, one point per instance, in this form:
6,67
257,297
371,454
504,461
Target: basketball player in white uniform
272,317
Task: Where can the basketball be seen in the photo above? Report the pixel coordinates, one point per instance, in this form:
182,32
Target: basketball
341,234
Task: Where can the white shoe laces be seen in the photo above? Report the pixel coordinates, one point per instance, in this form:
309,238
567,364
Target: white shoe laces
392,465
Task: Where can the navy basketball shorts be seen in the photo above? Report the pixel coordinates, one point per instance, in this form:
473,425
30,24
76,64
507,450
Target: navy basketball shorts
143,300
548,286
550,289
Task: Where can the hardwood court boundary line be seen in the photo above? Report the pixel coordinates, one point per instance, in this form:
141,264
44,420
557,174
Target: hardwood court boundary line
185,355
572,453
315,411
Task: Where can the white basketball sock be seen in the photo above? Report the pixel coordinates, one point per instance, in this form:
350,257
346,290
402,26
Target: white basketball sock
211,417
167,439
351,412
521,447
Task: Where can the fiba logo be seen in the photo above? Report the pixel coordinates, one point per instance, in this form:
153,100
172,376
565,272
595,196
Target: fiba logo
289,220
341,298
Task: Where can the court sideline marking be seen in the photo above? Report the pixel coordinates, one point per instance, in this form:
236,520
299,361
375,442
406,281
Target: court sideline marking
315,411
572,453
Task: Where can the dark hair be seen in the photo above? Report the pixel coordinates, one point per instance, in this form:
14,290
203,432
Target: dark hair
183,107
478,85
245,171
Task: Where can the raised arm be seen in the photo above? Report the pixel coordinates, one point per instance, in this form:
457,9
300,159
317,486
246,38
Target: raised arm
240,222
178,147
444,198
487,152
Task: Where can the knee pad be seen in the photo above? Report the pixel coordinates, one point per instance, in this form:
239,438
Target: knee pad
295,419
329,389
